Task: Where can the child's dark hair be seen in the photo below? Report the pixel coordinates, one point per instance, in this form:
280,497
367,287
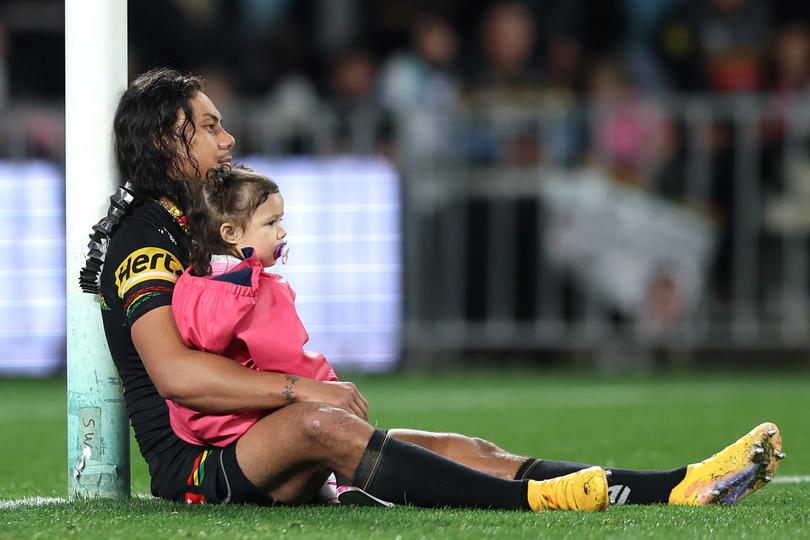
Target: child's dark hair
227,195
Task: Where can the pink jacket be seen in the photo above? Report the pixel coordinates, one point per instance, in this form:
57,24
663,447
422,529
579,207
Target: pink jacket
248,315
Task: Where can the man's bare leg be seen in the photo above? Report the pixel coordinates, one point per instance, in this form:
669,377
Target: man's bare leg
289,453
469,451
626,486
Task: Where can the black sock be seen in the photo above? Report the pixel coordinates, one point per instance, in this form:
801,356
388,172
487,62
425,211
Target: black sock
625,486
404,473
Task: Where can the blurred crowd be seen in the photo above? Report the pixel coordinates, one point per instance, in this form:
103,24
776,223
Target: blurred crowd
679,97
359,74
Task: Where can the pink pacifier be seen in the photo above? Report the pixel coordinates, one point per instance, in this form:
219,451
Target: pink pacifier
281,252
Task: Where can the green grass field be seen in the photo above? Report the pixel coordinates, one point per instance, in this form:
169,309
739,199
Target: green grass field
661,422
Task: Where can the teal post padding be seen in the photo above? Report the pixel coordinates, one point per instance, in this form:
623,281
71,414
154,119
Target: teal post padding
95,77
98,430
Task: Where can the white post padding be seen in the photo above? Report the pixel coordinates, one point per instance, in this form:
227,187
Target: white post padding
95,77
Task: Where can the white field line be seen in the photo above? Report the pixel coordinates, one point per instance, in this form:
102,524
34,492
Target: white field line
30,501
802,479
43,501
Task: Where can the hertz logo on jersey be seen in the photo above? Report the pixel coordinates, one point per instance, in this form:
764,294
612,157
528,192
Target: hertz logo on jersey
146,264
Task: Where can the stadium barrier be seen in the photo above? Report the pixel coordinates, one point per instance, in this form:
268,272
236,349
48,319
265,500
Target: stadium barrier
681,226
616,228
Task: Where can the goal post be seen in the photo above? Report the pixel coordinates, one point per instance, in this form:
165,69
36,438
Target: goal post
95,76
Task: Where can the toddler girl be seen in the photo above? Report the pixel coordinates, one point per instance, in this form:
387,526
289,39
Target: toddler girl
225,303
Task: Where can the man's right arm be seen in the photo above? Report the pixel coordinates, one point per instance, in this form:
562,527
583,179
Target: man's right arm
215,384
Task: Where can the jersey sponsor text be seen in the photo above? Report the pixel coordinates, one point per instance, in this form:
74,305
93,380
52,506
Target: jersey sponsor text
146,264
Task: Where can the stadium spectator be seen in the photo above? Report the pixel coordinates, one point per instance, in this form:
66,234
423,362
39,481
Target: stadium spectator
292,120
508,40
420,86
783,181
167,132
563,63
643,20
790,76
4,57
505,82
361,124
562,130
732,36
626,128
792,59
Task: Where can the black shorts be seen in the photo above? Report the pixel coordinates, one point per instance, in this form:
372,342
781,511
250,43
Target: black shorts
199,475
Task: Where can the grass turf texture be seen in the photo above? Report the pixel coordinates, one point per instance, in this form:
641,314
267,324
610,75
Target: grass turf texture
641,423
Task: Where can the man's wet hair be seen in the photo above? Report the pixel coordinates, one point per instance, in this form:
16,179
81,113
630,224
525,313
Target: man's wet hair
150,147
150,151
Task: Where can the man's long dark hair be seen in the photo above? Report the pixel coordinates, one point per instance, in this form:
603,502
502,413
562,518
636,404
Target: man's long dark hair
150,148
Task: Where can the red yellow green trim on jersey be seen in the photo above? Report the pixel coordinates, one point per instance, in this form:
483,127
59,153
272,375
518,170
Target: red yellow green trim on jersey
143,295
197,474
177,215
195,478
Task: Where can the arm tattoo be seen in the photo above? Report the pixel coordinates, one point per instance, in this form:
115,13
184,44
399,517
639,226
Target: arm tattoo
291,378
289,394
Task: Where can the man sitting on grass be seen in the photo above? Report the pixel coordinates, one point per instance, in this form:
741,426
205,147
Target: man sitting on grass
168,134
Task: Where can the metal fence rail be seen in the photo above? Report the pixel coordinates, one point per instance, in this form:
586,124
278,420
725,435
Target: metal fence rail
481,275
725,178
